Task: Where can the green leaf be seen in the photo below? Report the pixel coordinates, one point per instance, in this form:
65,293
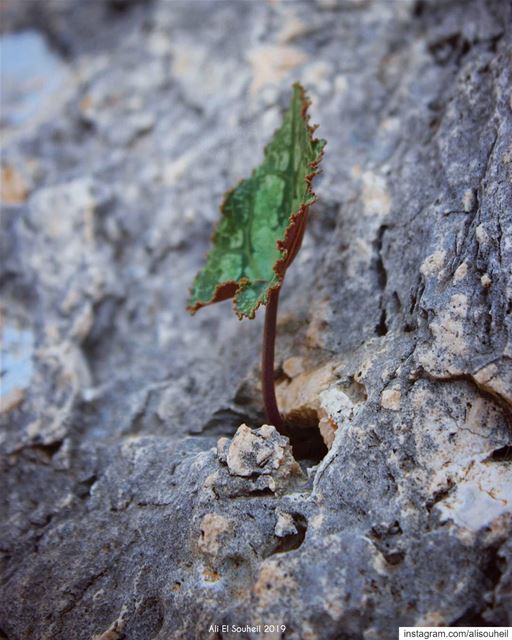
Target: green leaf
263,219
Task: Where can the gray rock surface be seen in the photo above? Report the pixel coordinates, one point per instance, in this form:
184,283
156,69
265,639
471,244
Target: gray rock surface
122,515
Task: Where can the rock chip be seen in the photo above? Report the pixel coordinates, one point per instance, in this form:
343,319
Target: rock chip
285,526
260,452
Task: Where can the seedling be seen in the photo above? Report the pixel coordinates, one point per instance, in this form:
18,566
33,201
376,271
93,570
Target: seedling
260,231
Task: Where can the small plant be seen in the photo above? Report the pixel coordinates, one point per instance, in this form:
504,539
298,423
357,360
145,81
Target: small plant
260,231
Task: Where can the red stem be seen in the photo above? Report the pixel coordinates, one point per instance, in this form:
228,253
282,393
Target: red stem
267,363
269,338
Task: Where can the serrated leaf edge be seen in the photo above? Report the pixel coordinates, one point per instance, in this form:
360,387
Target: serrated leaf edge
232,288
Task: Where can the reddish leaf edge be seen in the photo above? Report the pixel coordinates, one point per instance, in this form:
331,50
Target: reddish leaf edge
293,233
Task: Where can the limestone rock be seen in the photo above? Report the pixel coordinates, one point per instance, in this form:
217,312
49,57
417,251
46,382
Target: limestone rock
260,452
285,525
133,504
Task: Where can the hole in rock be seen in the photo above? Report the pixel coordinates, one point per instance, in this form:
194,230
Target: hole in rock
305,438
261,493
83,489
382,328
355,390
394,557
47,451
503,454
300,416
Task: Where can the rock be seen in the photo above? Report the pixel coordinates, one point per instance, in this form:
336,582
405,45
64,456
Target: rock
222,449
213,528
390,399
261,452
375,195
299,397
480,498
285,525
133,503
35,86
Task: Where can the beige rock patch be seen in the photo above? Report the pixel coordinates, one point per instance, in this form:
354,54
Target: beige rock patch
299,398
495,381
449,345
336,408
213,528
272,63
13,186
293,366
327,427
433,263
461,272
447,446
485,281
468,200
390,399
318,324
376,197
318,76
482,496
273,583
11,400
481,235
292,29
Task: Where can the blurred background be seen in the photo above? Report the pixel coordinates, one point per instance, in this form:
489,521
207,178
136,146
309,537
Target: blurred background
123,123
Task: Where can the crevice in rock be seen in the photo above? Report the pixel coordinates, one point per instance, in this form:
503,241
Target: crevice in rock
394,557
503,454
355,390
225,421
409,327
449,49
419,9
102,333
259,493
441,494
397,303
45,452
382,276
83,489
122,6
382,328
306,440
386,539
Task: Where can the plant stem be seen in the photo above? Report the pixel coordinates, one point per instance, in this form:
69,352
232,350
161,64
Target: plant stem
267,363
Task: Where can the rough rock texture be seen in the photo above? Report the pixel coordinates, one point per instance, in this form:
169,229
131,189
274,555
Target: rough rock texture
121,517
